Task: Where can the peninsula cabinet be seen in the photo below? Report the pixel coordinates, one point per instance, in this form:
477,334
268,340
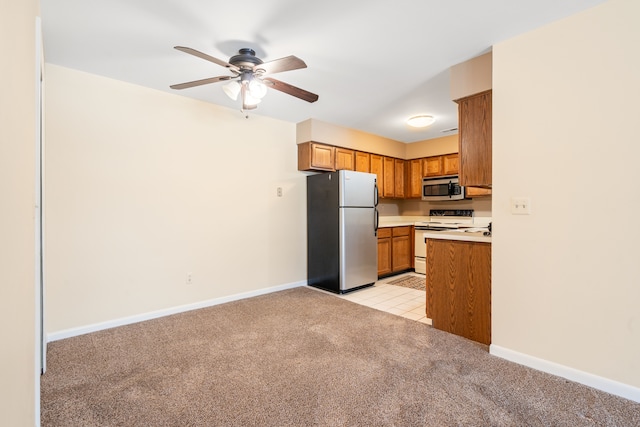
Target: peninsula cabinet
459,288
314,156
474,139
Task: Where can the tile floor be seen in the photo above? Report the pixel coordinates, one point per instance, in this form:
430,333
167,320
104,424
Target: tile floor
405,302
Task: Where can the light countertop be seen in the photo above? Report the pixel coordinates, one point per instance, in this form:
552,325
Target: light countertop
404,221
476,236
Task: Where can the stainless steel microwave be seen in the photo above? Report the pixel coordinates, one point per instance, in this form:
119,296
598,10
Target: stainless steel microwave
442,188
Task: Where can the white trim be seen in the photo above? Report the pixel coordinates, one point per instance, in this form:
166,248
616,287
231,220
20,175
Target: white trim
68,333
40,346
600,383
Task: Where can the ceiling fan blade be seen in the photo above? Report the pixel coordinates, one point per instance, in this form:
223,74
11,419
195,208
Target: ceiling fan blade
291,90
207,57
201,82
287,63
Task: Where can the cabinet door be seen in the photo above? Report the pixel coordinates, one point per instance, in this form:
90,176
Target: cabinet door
401,253
414,179
384,252
313,156
362,161
459,288
400,248
376,167
477,192
388,174
474,139
400,178
344,159
450,164
432,166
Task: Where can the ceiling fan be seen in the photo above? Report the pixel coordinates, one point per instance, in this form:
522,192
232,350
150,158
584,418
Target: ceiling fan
249,77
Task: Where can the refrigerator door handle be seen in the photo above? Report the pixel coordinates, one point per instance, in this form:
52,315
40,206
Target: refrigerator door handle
375,195
376,216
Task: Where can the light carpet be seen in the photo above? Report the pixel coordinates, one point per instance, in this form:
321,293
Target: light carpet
301,357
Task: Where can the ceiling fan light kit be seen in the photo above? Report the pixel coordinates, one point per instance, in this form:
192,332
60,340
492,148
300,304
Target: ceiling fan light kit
232,89
421,121
249,79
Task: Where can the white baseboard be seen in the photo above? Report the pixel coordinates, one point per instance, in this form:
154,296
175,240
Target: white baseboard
600,383
81,330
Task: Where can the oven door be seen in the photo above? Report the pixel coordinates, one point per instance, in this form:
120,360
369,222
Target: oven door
420,252
442,188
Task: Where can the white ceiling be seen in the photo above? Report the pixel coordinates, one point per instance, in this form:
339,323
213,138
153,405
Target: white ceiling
373,63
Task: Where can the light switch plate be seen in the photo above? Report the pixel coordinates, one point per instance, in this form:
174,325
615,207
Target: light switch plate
521,206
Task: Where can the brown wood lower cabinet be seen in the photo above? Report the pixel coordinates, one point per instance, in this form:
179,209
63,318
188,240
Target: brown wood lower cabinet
459,288
384,251
400,249
394,250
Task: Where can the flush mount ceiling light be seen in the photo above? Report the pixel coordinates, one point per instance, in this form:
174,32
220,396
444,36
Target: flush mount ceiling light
420,121
251,76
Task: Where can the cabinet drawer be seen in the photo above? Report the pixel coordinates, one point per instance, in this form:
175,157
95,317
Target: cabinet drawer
401,231
384,232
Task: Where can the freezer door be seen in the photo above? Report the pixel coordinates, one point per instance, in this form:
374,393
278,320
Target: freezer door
357,188
358,248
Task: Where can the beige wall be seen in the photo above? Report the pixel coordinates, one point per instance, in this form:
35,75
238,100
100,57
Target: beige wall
17,195
472,76
432,147
566,279
328,133
144,187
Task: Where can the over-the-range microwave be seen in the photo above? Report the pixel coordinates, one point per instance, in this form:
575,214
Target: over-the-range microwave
442,188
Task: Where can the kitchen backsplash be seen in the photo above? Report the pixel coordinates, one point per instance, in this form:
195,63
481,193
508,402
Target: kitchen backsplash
481,207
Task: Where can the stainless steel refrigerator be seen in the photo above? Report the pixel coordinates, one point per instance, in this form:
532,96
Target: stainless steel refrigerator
342,226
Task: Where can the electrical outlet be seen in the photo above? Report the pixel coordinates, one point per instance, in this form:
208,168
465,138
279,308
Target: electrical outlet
279,191
189,279
521,206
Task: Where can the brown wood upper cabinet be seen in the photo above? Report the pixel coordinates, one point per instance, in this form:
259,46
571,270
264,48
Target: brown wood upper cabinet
477,191
314,156
474,139
414,179
400,178
362,160
376,165
344,159
388,174
440,165
450,164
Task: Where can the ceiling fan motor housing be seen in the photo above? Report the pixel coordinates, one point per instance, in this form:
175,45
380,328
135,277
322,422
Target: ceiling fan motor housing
245,59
